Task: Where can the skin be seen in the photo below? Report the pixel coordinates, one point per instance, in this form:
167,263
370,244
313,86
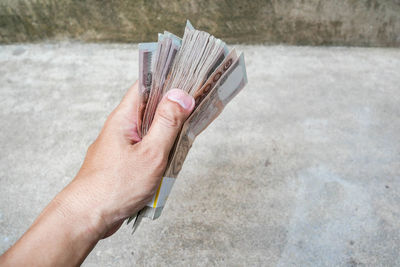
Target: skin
119,175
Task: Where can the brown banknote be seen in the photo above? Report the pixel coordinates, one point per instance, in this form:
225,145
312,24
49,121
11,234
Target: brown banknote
227,87
200,65
146,53
201,93
164,56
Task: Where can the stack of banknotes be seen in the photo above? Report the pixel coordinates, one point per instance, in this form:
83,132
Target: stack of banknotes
199,64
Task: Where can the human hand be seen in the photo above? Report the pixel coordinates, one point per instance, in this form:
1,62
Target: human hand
121,173
119,176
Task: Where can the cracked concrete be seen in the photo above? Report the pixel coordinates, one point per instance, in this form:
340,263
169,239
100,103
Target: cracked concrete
302,168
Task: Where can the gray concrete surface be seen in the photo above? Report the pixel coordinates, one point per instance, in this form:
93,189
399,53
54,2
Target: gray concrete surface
301,169
296,22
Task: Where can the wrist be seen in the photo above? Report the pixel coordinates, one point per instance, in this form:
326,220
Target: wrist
76,207
66,231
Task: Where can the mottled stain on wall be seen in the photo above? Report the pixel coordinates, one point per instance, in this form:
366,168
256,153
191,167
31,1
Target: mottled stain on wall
299,22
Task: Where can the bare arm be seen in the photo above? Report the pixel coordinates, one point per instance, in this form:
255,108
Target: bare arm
118,177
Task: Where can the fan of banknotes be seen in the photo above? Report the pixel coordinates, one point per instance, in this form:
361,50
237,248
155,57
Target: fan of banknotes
199,64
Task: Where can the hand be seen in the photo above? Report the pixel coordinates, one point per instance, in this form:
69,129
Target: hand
120,174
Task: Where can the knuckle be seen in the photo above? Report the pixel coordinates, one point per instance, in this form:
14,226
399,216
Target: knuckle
169,119
155,157
91,148
158,161
113,117
110,120
149,192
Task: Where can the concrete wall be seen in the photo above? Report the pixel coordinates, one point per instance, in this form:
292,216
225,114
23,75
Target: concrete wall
300,22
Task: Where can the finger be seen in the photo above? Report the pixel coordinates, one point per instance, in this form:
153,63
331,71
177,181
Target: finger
129,103
171,113
123,120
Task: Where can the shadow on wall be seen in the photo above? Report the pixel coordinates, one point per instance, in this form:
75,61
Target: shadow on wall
297,22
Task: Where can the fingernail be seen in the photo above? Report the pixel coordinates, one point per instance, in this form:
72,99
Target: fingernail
182,98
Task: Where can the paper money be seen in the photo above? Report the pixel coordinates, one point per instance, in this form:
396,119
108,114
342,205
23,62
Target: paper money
202,66
224,90
146,51
167,49
201,93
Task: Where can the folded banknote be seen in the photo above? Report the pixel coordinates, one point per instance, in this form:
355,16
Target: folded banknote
199,64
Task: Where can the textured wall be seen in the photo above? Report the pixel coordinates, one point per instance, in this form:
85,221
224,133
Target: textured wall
301,22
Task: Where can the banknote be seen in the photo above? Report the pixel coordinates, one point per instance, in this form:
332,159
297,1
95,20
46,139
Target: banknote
201,65
166,52
146,53
214,77
227,87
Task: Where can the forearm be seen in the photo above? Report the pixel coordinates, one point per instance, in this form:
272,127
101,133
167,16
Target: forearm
64,233
119,176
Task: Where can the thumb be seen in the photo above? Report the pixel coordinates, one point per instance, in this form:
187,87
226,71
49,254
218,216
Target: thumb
171,113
